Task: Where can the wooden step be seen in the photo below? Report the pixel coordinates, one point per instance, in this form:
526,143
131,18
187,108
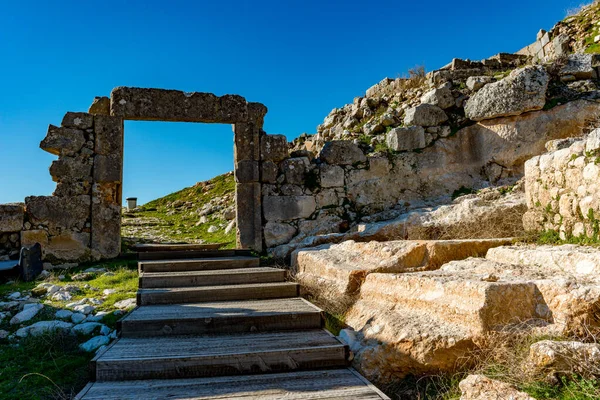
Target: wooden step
175,246
180,254
219,355
221,317
251,291
327,384
199,264
211,277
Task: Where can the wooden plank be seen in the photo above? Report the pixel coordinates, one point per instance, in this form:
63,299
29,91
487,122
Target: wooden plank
211,277
199,264
221,317
304,385
180,254
252,291
217,355
176,246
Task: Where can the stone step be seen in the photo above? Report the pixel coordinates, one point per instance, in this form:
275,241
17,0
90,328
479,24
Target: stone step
211,277
482,302
303,385
142,248
183,254
219,355
221,317
252,291
198,264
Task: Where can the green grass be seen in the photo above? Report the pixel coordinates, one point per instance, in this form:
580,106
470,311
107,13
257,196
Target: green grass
52,365
180,225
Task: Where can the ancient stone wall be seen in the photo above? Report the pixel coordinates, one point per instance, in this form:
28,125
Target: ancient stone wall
561,188
82,219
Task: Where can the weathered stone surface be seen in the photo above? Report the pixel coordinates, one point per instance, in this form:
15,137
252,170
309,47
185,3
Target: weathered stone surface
273,148
29,311
475,83
565,358
294,170
581,66
78,120
106,229
11,217
246,141
441,97
71,169
68,246
278,233
339,152
29,238
340,269
287,208
269,172
174,105
522,91
108,135
249,219
63,141
331,176
100,105
406,139
58,213
108,168
479,387
247,171
43,327
425,115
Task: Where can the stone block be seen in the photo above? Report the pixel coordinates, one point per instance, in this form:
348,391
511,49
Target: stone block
108,135
425,115
100,106
78,120
341,152
71,169
277,233
63,141
11,217
327,198
68,246
406,139
58,213
246,141
287,208
256,113
269,172
108,168
29,238
331,176
68,189
247,171
294,169
581,66
177,106
273,148
106,230
249,219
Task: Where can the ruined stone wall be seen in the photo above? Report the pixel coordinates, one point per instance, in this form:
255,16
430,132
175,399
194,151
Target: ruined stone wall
81,220
561,188
11,224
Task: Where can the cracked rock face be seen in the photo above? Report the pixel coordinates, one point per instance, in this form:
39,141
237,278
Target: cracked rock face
522,91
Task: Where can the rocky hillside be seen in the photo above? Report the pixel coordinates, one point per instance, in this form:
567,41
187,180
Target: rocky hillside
203,213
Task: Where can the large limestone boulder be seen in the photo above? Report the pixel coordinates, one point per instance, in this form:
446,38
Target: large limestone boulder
441,97
581,66
522,91
340,152
479,387
406,138
335,270
278,233
425,115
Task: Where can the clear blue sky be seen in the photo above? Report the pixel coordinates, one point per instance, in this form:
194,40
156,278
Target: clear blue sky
301,58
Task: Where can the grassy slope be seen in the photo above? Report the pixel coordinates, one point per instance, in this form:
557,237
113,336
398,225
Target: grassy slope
180,226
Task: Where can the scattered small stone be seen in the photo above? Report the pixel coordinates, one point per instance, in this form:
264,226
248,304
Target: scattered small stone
108,292
95,270
98,317
44,274
113,334
62,296
14,295
118,312
84,308
212,229
105,330
8,305
63,314
94,343
108,274
42,327
82,277
4,334
95,302
3,315
77,318
29,311
86,328
61,278
125,304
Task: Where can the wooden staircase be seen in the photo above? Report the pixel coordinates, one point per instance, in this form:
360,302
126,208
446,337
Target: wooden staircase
215,324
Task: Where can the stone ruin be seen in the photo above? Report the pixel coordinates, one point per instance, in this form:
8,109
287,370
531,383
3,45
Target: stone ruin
82,219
